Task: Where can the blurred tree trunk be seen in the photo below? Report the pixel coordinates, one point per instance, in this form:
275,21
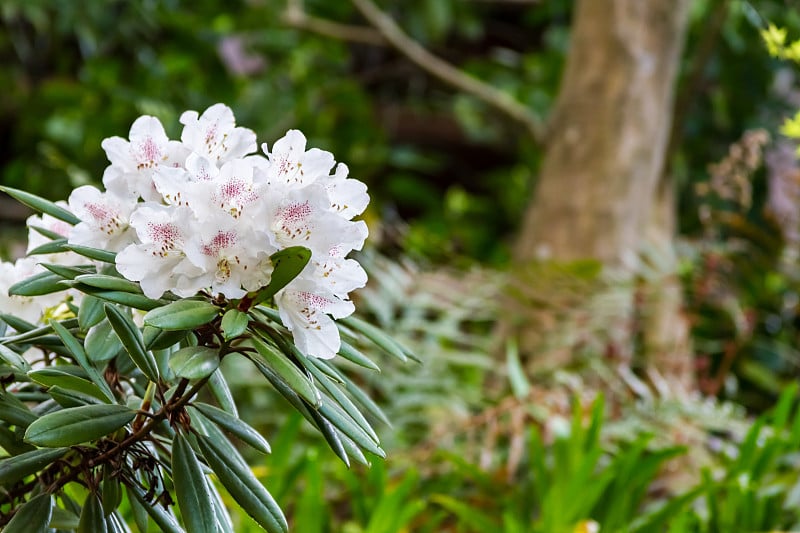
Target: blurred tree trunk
599,195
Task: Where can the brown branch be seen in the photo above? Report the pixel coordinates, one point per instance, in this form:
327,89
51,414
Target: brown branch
449,74
295,16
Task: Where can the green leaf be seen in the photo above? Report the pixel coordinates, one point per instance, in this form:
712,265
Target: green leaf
63,519
12,469
72,398
111,494
234,323
129,299
21,326
78,425
354,356
287,371
137,510
15,412
287,264
92,519
245,488
94,253
53,376
53,247
68,272
33,517
378,337
91,312
131,339
520,385
101,343
79,354
13,358
344,423
194,362
468,514
109,283
159,339
222,393
37,285
163,519
182,315
38,203
194,498
233,425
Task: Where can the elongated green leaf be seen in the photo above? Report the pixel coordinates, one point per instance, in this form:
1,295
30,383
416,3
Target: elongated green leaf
354,356
111,494
159,339
194,498
163,519
94,253
137,510
78,425
33,517
101,343
72,398
50,234
53,247
131,339
68,272
245,488
51,377
12,469
366,402
194,362
136,301
234,323
37,285
15,412
109,283
92,519
287,371
344,423
182,315
21,326
234,425
38,203
91,312
287,264
377,336
78,353
63,519
222,393
13,358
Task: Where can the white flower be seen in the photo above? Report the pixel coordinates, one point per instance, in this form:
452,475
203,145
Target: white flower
56,226
214,134
134,162
304,309
338,275
291,165
228,255
104,219
348,197
27,308
159,262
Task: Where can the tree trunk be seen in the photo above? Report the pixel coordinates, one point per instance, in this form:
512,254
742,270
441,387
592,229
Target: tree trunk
605,155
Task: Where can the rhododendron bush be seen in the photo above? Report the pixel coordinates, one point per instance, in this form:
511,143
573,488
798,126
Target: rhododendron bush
115,323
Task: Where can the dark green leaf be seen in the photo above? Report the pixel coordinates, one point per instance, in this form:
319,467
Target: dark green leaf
194,362
72,398
53,247
194,498
288,371
136,301
159,339
131,339
21,326
101,343
63,519
182,315
15,412
137,510
92,519
234,323
94,253
37,285
344,423
13,358
91,312
12,469
377,336
109,283
78,425
287,263
234,425
33,517
68,272
354,356
40,204
53,376
245,488
78,353
222,393
112,491
163,519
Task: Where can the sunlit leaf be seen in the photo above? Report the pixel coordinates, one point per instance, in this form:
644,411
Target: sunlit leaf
40,204
234,323
194,362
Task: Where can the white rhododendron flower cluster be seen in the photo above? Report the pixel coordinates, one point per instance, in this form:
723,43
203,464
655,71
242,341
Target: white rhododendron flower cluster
206,213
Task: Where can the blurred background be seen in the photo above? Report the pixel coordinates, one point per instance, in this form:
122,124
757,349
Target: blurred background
585,221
